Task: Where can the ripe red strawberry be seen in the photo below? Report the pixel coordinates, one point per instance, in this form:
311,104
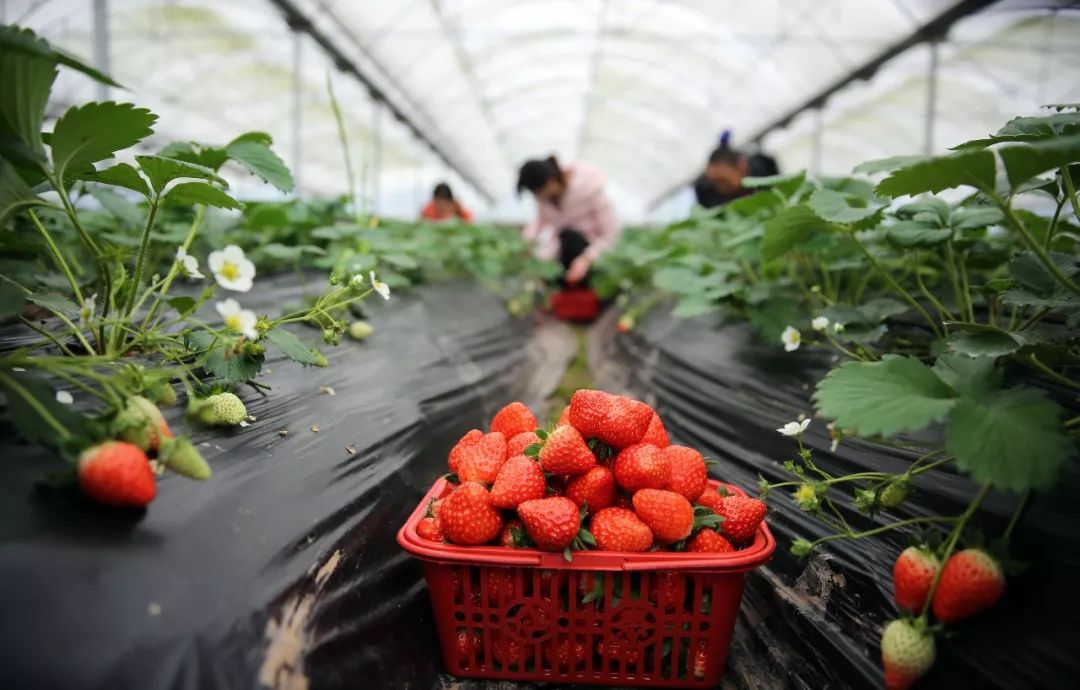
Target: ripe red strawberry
469,647
700,664
430,528
552,523
626,423
510,651
588,410
656,434
670,592
913,574
458,451
564,417
619,529
141,423
742,517
117,473
517,445
520,479
595,489
467,516
710,498
708,541
640,467
564,452
501,587
971,581
668,514
686,471
513,419
566,655
481,461
906,654
616,651
506,536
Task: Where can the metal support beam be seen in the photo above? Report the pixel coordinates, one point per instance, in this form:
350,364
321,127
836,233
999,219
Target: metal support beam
301,22
375,174
930,119
297,110
101,44
934,29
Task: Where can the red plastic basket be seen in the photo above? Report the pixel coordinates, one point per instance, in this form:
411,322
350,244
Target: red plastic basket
575,304
647,619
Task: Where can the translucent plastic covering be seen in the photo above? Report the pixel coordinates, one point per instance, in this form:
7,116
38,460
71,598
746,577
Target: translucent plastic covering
641,87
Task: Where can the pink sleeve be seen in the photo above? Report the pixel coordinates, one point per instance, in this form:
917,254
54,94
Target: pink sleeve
533,228
607,228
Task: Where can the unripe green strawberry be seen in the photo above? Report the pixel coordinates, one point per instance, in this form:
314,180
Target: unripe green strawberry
183,458
320,359
359,330
141,423
253,348
906,654
223,409
161,394
895,492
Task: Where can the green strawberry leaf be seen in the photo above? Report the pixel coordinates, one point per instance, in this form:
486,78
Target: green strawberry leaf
201,193
26,395
93,132
182,304
887,397
833,206
124,210
161,171
252,150
119,175
16,40
880,165
15,194
788,229
980,340
972,377
1025,161
913,233
291,346
1013,439
973,168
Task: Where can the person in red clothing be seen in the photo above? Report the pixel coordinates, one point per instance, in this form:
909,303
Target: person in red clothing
443,206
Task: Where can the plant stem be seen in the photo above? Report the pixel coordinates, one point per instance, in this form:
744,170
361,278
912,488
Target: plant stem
944,313
1034,360
1050,229
175,269
34,404
95,250
896,286
1017,226
58,258
954,537
1070,190
55,341
966,285
1017,512
885,528
129,303
343,140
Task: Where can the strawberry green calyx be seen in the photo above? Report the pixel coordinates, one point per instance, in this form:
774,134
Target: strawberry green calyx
223,409
180,456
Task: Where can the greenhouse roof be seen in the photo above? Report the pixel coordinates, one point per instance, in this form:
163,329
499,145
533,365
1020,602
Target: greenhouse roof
641,87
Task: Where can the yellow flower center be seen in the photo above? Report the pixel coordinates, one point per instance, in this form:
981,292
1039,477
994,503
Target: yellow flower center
234,322
805,493
229,271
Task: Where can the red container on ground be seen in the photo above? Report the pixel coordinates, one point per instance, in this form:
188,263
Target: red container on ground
575,304
656,619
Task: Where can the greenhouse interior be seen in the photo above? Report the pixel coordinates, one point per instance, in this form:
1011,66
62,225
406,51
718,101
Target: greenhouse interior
507,344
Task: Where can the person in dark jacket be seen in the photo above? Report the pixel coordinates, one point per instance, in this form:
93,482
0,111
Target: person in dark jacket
722,180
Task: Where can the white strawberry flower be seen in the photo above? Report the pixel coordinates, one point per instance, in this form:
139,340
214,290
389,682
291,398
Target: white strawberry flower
232,270
86,313
64,398
237,319
791,339
838,328
188,262
820,323
357,280
380,287
794,428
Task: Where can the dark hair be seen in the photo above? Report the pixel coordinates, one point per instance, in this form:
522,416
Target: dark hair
761,165
442,191
535,174
724,155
